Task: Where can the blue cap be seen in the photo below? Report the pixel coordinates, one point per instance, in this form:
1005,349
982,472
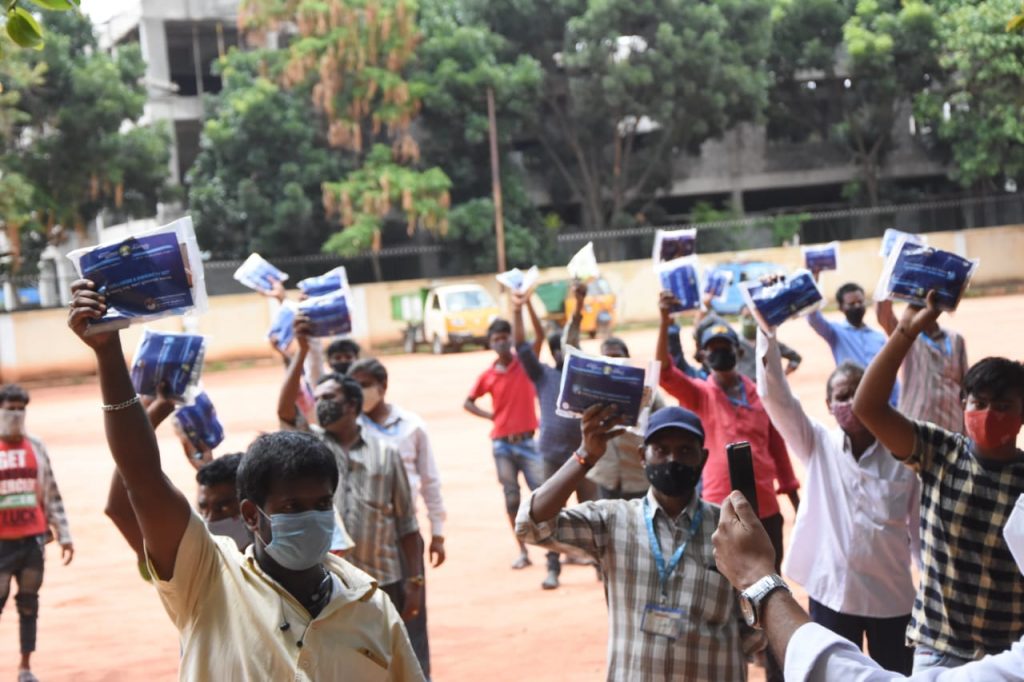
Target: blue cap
674,418
720,330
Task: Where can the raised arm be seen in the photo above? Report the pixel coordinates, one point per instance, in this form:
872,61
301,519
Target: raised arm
822,326
886,317
783,407
538,327
528,354
286,410
871,403
571,333
162,511
682,387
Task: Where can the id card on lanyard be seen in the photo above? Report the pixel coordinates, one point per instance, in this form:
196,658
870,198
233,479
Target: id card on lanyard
661,619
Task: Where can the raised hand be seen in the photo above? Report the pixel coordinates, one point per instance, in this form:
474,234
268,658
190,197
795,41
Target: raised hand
88,305
916,319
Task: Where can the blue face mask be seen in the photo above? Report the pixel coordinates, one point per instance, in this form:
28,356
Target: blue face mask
299,541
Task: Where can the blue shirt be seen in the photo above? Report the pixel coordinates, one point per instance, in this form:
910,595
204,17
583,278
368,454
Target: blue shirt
857,344
559,436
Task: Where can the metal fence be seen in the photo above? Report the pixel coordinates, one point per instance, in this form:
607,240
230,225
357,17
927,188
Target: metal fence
442,259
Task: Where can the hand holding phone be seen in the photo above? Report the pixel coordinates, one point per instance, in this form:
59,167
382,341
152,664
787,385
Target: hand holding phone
741,471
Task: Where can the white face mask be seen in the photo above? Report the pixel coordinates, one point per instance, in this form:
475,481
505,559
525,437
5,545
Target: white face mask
12,423
232,527
1013,533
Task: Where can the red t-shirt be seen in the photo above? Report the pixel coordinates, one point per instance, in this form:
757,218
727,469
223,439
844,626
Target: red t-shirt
21,506
726,422
512,396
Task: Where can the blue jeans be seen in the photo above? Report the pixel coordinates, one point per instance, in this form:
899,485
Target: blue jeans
512,458
926,658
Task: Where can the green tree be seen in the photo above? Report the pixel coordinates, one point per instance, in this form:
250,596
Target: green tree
974,112
255,185
22,26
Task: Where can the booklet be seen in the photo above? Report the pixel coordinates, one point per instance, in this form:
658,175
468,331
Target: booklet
282,329
328,315
793,295
717,282
588,379
912,270
821,257
258,274
154,274
198,422
517,280
327,283
168,357
680,277
672,244
892,236
583,266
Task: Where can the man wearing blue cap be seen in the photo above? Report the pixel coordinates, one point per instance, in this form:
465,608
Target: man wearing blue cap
671,614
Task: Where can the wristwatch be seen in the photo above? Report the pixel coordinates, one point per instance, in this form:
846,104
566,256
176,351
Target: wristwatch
753,597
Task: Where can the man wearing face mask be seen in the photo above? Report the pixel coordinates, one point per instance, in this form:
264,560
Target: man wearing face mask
746,363
851,339
406,432
285,609
671,615
515,420
812,653
971,599
31,515
559,436
857,528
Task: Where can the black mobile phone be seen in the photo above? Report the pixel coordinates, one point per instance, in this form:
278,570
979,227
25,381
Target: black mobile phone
741,471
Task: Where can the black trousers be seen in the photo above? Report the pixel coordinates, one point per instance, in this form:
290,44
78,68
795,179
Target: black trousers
417,627
23,560
886,636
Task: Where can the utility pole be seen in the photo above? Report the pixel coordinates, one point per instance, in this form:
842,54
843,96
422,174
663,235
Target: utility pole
499,217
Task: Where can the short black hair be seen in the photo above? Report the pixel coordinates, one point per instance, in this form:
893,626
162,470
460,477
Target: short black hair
995,376
371,366
221,470
555,342
13,392
349,386
499,326
846,368
848,288
343,346
283,456
615,341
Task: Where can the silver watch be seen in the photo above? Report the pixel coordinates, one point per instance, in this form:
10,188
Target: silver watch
753,597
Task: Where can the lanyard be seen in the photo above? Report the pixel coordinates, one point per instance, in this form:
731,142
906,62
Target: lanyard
665,572
933,344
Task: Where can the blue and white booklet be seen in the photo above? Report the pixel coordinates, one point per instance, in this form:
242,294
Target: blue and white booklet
793,295
282,330
588,380
672,244
517,280
681,278
892,236
821,257
154,274
257,274
912,270
717,282
199,424
328,315
327,283
168,357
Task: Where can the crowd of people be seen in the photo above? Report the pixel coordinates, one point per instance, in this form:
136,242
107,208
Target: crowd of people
303,557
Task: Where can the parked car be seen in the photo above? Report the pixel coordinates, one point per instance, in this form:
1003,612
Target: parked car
732,303
598,307
447,317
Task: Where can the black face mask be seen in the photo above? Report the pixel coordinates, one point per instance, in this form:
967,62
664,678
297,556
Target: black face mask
329,411
722,359
674,479
341,367
854,316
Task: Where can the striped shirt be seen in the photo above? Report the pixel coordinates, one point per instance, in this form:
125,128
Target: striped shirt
375,502
933,372
614,533
971,599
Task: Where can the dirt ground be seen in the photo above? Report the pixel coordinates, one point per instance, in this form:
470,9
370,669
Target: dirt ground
100,621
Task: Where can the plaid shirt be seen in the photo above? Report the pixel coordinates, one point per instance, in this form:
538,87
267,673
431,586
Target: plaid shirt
375,502
971,599
615,534
53,503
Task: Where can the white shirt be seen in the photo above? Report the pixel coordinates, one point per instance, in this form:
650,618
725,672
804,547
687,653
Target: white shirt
858,524
406,432
816,654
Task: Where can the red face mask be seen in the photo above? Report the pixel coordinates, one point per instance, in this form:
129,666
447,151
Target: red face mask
991,429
